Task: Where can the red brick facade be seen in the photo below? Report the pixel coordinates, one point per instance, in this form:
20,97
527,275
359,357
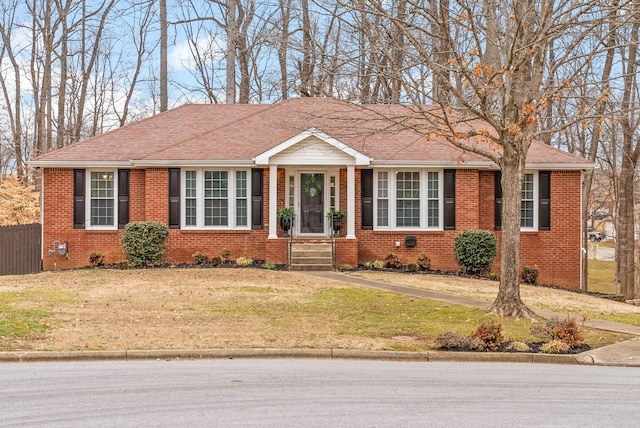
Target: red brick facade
556,252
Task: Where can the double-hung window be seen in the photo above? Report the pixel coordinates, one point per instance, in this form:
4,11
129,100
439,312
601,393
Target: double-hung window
408,199
215,198
535,205
527,210
102,206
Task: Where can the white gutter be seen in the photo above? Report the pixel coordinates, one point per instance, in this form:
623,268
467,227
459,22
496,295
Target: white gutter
79,164
192,163
252,163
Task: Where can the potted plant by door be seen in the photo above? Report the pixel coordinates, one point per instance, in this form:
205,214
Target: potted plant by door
286,216
336,216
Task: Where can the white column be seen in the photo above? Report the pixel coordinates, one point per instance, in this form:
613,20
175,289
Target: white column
273,201
351,202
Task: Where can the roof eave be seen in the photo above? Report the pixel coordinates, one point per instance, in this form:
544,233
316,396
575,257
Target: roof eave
561,166
77,164
196,163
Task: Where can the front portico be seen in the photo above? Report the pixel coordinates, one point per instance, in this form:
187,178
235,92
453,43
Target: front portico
312,161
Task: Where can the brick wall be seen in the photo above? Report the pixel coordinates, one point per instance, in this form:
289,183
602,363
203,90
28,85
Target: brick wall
556,253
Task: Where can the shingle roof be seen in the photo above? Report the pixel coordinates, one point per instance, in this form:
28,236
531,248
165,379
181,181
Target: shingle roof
240,132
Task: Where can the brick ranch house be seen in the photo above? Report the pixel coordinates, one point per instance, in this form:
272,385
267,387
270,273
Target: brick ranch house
218,174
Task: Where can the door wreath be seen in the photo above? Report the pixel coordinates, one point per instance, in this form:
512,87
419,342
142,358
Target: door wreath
312,186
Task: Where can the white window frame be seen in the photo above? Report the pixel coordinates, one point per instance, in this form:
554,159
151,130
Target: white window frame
88,199
391,198
536,201
231,199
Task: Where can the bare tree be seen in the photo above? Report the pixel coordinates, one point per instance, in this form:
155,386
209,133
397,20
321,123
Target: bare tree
629,124
12,99
492,103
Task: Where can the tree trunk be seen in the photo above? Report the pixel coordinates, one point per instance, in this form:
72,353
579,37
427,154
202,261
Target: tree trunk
232,32
285,16
625,232
164,96
508,302
306,68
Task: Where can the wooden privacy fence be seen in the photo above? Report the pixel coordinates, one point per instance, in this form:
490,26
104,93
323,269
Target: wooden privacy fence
20,249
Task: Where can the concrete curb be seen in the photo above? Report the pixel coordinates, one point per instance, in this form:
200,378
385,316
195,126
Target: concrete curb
197,354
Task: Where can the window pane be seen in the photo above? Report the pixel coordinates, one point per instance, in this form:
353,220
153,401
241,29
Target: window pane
383,199
433,199
527,201
383,212
408,213
383,185
241,198
291,191
190,184
215,198
102,198
433,213
408,199
191,213
215,212
527,214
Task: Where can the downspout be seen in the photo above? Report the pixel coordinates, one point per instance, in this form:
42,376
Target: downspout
583,251
41,219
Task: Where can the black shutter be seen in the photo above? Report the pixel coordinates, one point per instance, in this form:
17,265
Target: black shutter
256,198
174,198
123,197
78,198
366,195
497,211
544,202
449,199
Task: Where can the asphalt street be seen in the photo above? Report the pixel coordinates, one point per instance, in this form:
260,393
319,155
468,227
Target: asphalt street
309,392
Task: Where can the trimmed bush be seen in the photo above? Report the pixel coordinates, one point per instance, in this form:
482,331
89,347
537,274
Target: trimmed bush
201,258
555,347
96,259
475,251
424,262
269,265
144,243
215,261
392,262
451,340
244,261
490,333
518,347
412,267
529,275
374,264
566,331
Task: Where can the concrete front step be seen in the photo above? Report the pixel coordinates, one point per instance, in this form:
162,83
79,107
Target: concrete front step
300,267
311,256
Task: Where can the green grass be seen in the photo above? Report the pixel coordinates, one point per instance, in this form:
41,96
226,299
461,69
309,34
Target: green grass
355,313
25,313
261,309
600,277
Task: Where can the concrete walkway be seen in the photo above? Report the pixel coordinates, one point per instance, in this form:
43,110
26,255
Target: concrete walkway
625,353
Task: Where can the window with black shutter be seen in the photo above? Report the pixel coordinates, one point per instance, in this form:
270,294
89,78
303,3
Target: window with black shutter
257,175
366,194
123,197
174,198
544,200
497,197
449,199
79,191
